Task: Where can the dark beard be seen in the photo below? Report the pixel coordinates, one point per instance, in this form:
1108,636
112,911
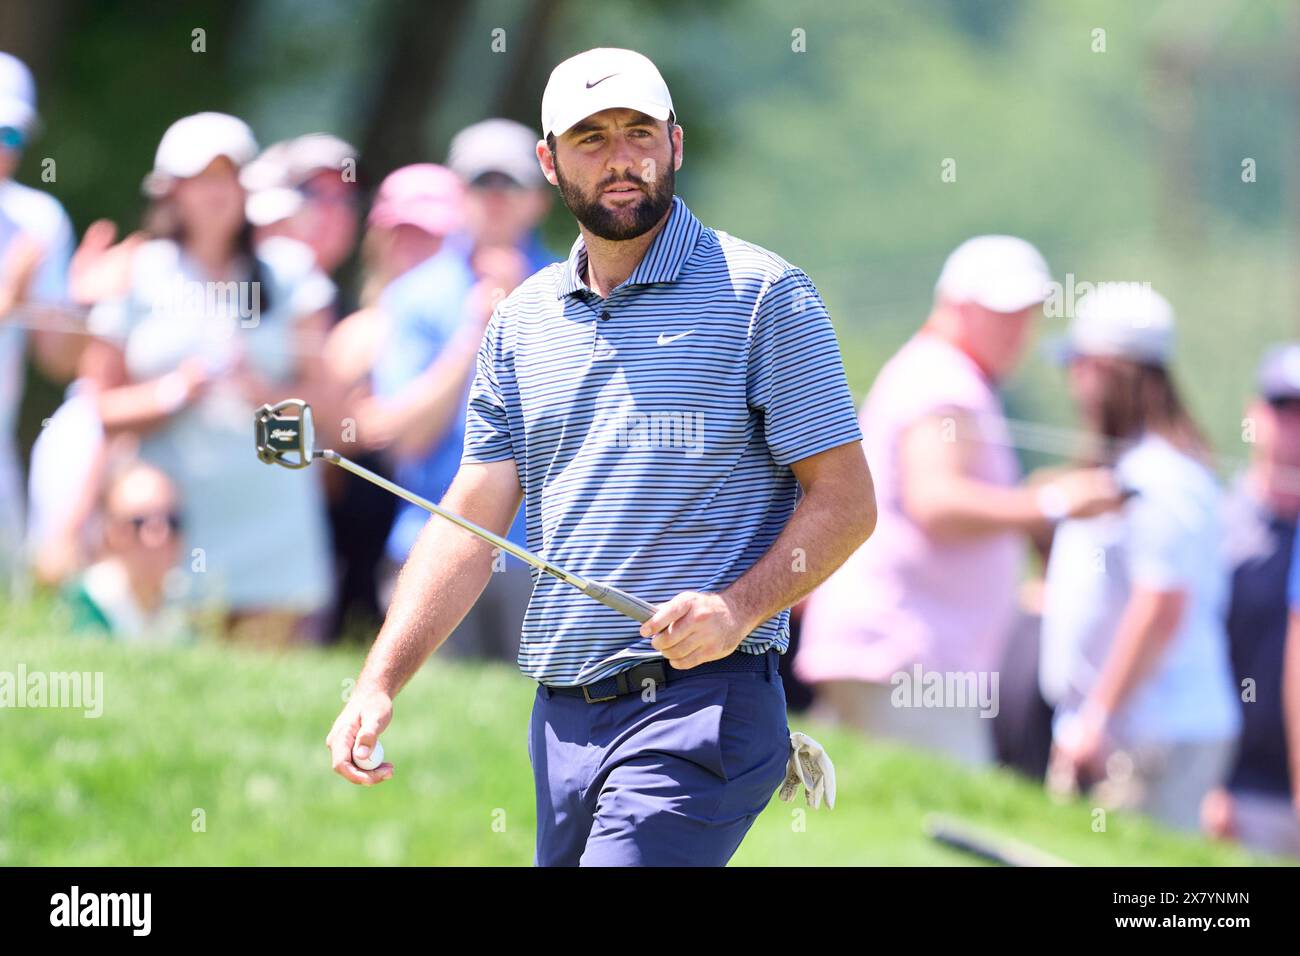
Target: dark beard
608,224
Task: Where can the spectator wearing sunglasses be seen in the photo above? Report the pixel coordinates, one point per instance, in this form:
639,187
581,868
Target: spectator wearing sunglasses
128,594
1255,804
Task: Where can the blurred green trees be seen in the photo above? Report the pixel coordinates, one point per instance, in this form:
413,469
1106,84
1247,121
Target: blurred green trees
1114,135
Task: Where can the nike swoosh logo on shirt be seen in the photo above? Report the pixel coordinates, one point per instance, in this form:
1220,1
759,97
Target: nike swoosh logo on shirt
601,80
667,339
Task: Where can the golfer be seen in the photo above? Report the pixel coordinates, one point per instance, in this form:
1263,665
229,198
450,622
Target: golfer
658,400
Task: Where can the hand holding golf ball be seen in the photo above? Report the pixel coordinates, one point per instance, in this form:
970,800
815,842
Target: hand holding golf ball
372,760
355,751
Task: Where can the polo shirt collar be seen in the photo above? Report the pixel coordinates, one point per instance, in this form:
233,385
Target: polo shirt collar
663,261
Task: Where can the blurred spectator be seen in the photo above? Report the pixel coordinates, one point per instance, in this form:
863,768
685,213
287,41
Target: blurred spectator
127,594
934,589
415,208
1255,805
305,188
1135,654
1291,678
205,330
506,200
35,245
508,196
434,313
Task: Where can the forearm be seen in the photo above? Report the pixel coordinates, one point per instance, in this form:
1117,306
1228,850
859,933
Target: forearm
440,581
957,507
143,406
1144,632
443,576
425,410
819,537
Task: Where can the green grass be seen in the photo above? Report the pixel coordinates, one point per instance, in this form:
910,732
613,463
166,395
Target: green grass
238,736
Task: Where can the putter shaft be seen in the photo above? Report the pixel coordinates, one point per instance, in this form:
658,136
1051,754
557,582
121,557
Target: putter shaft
610,596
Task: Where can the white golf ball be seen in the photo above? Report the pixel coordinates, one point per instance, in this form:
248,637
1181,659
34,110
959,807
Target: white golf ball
373,761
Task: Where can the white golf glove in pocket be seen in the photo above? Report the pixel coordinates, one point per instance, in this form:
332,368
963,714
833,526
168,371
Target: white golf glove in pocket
811,767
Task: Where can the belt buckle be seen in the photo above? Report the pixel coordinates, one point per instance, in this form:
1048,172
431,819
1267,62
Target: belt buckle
586,695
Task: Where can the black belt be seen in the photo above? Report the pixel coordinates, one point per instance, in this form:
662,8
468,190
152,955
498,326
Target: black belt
632,680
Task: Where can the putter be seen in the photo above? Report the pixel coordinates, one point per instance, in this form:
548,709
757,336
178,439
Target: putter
289,441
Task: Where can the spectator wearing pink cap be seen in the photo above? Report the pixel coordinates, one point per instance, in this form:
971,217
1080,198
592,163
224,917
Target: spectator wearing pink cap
414,351
433,314
932,594
413,210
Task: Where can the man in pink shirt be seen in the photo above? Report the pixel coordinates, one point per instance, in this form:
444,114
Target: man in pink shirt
904,640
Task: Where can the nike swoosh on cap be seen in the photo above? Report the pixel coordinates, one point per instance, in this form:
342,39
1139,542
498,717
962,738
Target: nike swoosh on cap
672,338
601,80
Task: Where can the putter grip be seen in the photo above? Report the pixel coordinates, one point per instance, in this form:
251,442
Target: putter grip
620,601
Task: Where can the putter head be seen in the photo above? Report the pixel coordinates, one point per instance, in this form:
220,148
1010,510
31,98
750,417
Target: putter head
284,439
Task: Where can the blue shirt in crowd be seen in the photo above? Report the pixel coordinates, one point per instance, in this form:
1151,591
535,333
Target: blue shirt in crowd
426,306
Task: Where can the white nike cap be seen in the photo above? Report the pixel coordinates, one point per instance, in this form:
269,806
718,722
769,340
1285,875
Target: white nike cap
999,273
192,143
1126,320
602,79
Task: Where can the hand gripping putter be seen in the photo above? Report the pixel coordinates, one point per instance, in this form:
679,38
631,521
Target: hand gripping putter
287,440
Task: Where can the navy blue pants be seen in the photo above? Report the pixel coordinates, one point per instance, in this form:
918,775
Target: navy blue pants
673,781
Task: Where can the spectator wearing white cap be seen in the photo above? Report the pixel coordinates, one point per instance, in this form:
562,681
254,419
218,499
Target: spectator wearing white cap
204,330
306,188
508,197
1134,649
934,590
35,246
1254,805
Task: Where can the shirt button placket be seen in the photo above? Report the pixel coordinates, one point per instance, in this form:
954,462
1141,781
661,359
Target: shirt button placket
603,348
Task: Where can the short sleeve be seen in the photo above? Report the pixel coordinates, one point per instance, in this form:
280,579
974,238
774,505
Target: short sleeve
1161,546
487,422
1293,586
795,377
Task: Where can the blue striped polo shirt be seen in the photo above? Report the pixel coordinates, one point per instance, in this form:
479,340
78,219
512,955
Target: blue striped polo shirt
653,431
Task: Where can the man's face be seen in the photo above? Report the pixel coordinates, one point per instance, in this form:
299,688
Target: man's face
142,523
999,338
211,202
1087,378
615,171
1277,431
328,221
499,212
